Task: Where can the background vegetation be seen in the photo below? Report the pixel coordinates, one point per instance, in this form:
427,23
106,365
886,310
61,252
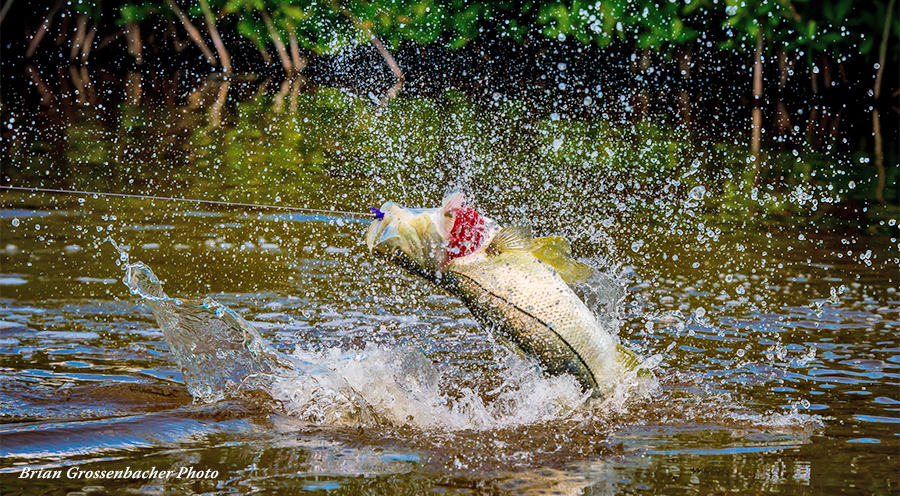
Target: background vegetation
814,75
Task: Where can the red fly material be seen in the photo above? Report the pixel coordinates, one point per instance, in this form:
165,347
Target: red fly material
467,233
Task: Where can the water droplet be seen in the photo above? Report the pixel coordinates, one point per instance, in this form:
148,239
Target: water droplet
15,222
697,193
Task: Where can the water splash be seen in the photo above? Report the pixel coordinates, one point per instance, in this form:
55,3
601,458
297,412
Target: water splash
221,355
406,388
224,356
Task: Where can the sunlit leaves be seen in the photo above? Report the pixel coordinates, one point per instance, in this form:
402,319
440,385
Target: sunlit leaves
834,27
130,12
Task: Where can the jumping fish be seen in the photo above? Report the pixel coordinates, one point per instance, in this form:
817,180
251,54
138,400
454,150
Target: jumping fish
517,286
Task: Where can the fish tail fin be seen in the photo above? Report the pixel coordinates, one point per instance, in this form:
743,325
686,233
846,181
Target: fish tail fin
630,361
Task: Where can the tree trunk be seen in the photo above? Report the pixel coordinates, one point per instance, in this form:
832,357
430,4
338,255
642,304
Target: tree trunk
756,126
826,70
279,45
811,136
782,124
392,64
80,33
280,96
193,32
642,104
173,35
215,110
88,42
89,86
133,88
879,158
42,30
264,53
876,119
296,86
109,39
3,12
135,44
299,63
385,54
80,87
217,40
41,87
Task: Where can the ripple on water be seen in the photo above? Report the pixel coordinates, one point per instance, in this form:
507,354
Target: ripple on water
877,419
7,327
14,214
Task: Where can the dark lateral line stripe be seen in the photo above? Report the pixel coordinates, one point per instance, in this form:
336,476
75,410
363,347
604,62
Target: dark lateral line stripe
537,319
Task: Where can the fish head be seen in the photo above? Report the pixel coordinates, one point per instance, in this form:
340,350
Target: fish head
425,240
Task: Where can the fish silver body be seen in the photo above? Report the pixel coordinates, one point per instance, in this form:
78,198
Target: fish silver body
516,286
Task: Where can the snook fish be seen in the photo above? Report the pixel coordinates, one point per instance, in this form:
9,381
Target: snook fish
517,286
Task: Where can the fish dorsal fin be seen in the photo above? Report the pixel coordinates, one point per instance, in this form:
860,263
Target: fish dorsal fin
555,251
552,250
511,239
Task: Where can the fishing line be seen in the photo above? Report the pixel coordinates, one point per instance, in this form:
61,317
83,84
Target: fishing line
194,200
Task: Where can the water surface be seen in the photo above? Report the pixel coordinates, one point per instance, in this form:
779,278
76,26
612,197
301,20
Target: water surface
773,327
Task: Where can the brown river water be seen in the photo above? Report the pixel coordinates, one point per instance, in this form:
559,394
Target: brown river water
771,326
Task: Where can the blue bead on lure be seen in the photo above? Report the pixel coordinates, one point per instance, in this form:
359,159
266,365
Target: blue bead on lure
378,213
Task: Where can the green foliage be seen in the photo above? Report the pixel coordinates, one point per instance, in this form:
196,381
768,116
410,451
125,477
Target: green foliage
132,13
313,24
91,9
650,24
833,27
860,24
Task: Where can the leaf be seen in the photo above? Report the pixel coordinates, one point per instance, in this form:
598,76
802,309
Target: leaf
866,46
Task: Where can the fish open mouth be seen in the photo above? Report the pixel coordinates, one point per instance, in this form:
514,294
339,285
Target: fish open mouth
410,238
428,237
